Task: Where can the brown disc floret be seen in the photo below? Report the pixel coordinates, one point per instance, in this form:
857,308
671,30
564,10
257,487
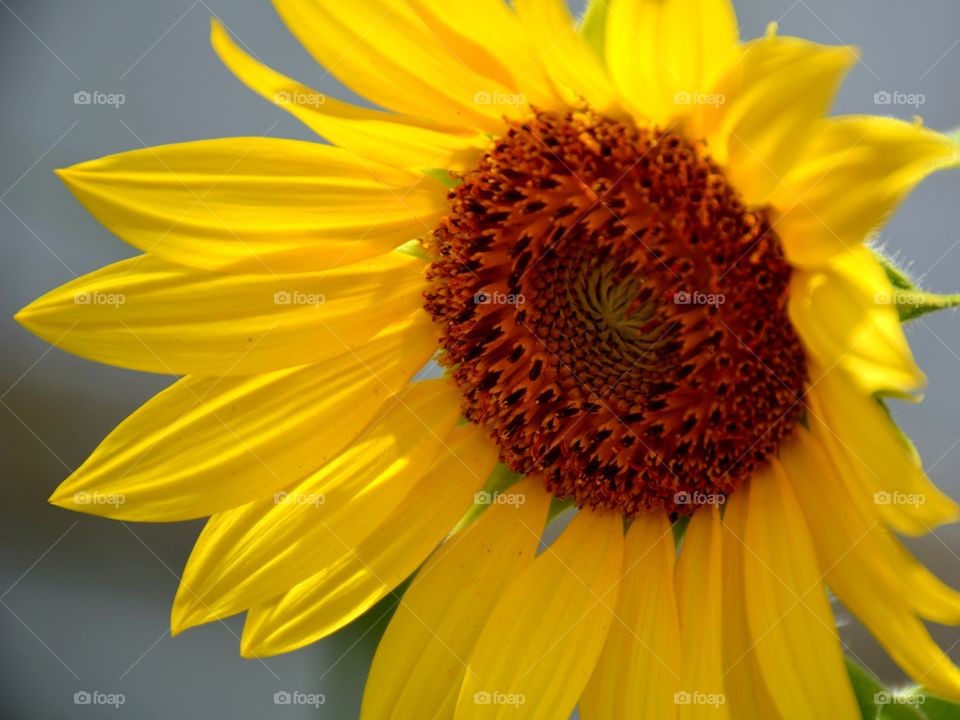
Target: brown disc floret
615,315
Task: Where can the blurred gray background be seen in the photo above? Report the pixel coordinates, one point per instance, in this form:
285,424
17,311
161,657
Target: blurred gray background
84,602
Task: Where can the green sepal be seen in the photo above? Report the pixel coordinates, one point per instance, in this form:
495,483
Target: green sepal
500,478
878,702
445,177
593,26
912,301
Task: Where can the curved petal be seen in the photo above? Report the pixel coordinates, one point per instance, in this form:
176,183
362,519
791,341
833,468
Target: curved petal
422,658
876,580
743,682
257,204
568,59
873,458
246,556
361,577
487,36
384,52
639,669
541,642
798,650
769,106
205,445
852,176
844,315
663,54
380,136
699,582
148,314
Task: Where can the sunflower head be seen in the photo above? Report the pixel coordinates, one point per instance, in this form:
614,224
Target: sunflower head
637,246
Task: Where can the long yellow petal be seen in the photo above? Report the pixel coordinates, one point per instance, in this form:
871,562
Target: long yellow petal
874,459
869,584
639,669
851,538
743,682
488,37
542,641
844,315
798,651
246,556
569,60
205,445
665,54
148,314
421,661
361,577
852,176
257,204
773,99
380,136
383,51
699,583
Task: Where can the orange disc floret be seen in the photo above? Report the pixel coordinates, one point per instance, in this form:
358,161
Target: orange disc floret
614,315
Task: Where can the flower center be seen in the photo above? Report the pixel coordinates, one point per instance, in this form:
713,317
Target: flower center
614,315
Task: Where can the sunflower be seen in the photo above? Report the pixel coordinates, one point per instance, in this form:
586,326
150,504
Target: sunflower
637,248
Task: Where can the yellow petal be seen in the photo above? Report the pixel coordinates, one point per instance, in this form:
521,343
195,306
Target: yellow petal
743,682
865,581
148,314
852,542
372,134
361,577
798,651
568,59
874,459
256,552
487,36
852,176
422,658
205,445
639,669
844,315
773,100
542,641
663,54
384,52
257,204
700,610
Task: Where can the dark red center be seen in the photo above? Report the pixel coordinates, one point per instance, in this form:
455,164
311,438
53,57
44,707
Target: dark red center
614,314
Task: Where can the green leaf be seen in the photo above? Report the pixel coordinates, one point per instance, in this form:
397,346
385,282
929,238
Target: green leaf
593,26
912,301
